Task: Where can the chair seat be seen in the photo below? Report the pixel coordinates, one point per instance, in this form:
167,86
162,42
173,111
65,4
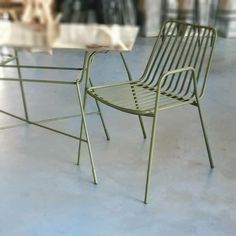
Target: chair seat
135,98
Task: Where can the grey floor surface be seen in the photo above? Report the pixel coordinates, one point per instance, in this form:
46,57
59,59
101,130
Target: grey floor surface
43,192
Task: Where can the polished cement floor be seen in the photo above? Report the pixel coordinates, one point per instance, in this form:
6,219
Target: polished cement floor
43,192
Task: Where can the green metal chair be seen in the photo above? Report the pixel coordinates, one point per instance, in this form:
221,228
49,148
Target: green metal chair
176,74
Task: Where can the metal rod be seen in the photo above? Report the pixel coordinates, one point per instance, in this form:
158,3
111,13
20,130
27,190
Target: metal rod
202,121
58,131
101,116
134,94
21,86
86,134
214,35
42,67
42,126
167,57
64,117
47,120
88,58
159,51
38,81
186,63
147,68
85,64
179,58
152,145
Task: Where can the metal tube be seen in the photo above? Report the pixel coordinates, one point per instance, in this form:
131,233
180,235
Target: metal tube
86,134
134,94
39,81
42,126
101,116
21,86
41,67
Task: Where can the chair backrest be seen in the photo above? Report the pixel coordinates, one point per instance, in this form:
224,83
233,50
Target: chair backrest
180,45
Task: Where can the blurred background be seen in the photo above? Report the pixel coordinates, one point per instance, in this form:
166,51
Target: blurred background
148,14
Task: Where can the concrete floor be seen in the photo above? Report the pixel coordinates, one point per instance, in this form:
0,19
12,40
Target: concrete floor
43,192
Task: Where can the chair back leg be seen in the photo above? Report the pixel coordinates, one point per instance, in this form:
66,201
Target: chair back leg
150,157
101,116
84,125
130,79
197,103
88,59
205,135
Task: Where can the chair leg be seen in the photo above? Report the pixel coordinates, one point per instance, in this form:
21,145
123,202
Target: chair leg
142,126
81,128
151,152
87,61
102,120
205,134
86,65
101,116
21,86
84,125
130,79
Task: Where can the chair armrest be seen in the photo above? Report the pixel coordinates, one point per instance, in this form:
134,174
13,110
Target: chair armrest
177,71
172,72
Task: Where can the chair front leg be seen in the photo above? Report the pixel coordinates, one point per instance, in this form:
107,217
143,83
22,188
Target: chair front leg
101,116
88,59
152,144
86,71
142,127
84,125
81,128
150,157
85,65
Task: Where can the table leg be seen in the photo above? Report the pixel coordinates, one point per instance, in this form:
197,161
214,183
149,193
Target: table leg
21,86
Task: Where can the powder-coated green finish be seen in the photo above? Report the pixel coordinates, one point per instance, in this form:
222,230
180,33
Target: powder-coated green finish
85,68
176,74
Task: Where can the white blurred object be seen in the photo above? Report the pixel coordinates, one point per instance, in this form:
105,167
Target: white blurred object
90,37
98,37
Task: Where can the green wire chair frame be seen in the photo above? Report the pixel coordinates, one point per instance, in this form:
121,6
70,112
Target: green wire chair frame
77,82
176,74
89,84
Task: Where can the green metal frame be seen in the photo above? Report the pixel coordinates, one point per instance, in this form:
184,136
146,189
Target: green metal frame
77,82
88,59
176,74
